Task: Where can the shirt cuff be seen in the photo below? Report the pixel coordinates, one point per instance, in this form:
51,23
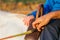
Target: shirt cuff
33,13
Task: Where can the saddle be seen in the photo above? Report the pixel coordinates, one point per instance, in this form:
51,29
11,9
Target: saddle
35,35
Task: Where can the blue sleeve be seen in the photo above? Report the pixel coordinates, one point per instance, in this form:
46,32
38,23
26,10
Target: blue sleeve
46,8
56,7
33,13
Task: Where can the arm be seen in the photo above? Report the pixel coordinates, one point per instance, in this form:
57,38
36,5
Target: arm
55,11
45,19
55,14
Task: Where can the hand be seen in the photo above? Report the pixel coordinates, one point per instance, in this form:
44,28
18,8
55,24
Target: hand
27,20
41,21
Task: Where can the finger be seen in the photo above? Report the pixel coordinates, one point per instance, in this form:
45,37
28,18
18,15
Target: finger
28,23
33,24
36,22
25,22
42,28
39,27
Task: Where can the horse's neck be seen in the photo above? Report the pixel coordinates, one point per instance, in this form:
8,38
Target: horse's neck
10,24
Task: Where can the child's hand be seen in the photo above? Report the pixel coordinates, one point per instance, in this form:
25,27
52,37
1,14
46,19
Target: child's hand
27,20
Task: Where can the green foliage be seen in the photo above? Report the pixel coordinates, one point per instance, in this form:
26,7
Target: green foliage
24,1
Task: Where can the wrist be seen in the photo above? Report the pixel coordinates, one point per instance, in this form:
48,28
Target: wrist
52,15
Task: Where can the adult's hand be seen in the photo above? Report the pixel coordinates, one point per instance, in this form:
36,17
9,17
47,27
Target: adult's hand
41,21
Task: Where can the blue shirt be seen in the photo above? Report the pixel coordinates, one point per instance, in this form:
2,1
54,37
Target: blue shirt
49,6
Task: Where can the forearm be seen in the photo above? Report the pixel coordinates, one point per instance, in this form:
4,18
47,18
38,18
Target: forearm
54,15
57,15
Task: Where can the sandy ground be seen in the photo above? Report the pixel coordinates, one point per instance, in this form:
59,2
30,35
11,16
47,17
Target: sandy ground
11,24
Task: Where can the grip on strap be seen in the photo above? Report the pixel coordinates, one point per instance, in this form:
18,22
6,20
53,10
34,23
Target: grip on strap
35,35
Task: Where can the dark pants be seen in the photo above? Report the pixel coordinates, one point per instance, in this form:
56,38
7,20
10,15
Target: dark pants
51,31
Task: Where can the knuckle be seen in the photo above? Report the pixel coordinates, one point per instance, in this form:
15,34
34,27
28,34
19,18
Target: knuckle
33,23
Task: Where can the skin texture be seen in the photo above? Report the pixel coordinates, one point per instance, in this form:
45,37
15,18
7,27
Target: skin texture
27,20
43,20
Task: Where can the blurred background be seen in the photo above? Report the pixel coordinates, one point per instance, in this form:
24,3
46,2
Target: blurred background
19,6
10,23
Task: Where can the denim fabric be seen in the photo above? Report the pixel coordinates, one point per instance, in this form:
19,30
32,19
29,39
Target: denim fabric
51,31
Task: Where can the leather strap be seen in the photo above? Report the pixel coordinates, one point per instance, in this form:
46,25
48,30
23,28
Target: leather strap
35,35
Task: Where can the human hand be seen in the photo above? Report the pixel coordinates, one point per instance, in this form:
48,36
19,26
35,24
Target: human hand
27,20
41,22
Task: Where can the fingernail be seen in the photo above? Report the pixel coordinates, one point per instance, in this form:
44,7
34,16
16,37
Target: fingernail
39,30
42,27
